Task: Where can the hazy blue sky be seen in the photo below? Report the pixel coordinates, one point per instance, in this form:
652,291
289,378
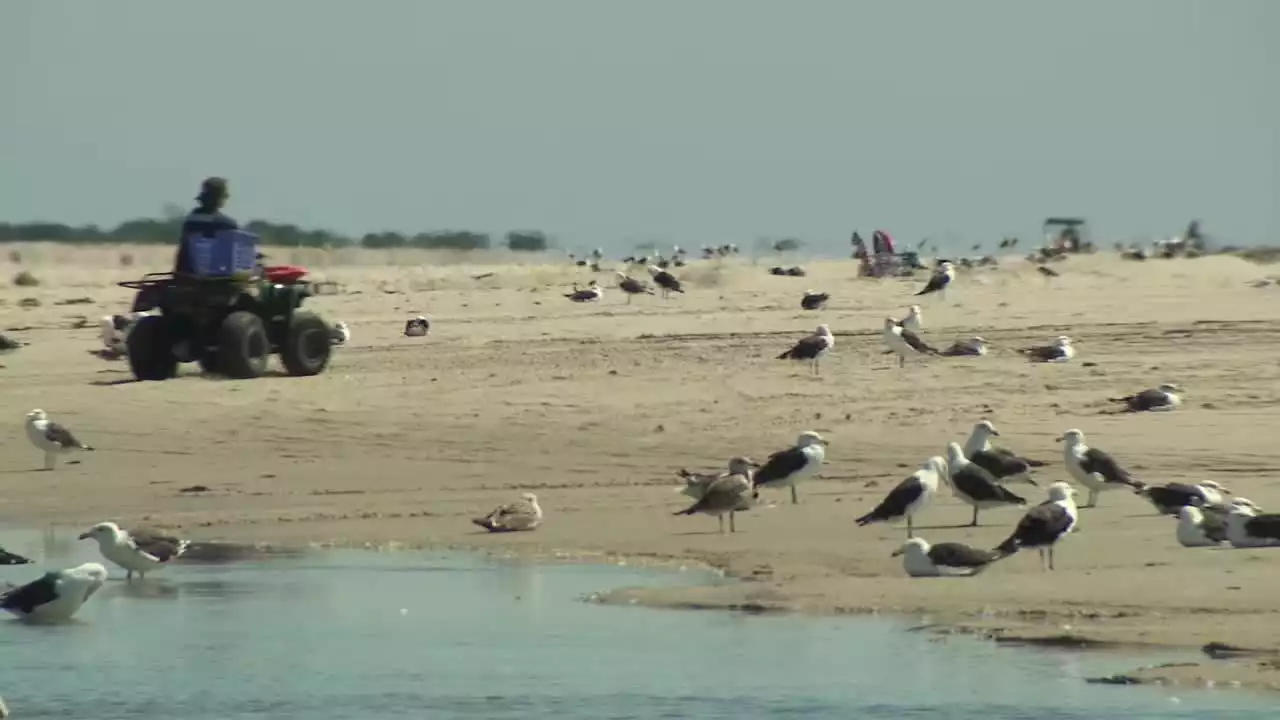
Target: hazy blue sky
611,121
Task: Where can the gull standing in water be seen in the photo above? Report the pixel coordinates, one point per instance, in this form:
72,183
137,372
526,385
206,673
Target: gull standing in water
55,596
136,553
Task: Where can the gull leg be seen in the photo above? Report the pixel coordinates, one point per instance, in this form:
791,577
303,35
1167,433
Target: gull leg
1050,557
975,517
910,530
732,528
902,361
1093,499
1042,565
721,519
49,460
794,499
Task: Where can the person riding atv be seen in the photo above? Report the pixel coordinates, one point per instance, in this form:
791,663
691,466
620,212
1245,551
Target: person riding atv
206,220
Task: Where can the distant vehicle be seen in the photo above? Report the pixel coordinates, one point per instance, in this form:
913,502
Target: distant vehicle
1066,235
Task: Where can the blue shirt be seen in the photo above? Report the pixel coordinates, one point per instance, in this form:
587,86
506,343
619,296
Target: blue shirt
202,222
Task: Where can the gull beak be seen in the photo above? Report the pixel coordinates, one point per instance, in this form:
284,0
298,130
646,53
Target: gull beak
896,553
995,433
1060,438
84,536
825,441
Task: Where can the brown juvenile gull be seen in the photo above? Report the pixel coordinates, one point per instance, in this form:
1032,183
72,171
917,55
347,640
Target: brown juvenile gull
140,551
52,438
727,494
811,349
524,514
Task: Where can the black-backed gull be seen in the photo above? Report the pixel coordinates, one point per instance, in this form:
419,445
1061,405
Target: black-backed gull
55,596
787,467
904,342
811,349
948,559
1044,525
909,496
1164,398
1093,468
1060,351
940,280
1003,464
975,486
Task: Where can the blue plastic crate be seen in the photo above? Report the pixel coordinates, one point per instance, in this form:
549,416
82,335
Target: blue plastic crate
225,254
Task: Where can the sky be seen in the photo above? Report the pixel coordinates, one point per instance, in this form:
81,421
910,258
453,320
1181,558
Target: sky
618,122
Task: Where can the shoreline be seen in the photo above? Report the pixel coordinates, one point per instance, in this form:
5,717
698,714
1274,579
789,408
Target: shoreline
1222,664
594,407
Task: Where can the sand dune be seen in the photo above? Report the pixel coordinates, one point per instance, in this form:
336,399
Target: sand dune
595,406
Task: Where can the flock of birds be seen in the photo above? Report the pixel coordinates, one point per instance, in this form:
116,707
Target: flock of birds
976,472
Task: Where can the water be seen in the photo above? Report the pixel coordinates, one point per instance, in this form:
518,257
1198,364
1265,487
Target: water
376,636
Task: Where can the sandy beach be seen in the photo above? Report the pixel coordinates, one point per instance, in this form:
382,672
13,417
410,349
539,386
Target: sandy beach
595,406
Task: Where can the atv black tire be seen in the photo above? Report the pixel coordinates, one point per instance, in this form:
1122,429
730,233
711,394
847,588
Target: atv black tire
150,349
243,347
307,346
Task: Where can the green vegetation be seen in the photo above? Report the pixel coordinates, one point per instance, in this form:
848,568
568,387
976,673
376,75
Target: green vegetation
165,231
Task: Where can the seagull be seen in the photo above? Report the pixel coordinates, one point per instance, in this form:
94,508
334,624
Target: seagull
914,320
139,552
940,279
665,280
52,438
1246,528
920,559
695,483
975,346
1047,271
811,348
1197,528
590,293
55,596
339,334
1093,468
1003,464
1044,525
726,494
1164,398
8,558
114,330
8,344
904,342
1169,498
787,467
814,300
974,485
631,286
524,514
417,327
909,496
1059,352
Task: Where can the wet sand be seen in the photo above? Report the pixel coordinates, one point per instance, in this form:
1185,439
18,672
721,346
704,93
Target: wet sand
593,407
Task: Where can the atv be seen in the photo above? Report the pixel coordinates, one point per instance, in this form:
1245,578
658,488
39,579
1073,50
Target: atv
229,325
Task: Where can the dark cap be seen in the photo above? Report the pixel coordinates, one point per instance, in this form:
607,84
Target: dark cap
212,187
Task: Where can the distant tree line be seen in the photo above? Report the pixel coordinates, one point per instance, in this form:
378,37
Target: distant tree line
165,231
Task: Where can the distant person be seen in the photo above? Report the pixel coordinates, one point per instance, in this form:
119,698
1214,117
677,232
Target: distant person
206,220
